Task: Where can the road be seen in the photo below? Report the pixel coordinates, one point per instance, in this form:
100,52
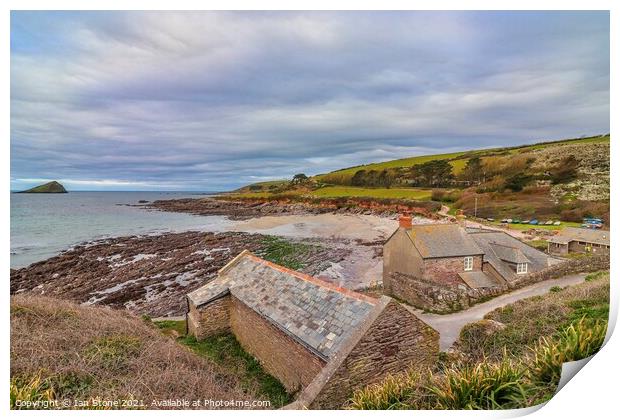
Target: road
449,326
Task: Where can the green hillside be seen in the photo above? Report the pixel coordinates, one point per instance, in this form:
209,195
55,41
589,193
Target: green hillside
457,159
53,187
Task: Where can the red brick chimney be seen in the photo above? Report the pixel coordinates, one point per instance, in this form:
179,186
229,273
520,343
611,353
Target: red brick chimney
404,221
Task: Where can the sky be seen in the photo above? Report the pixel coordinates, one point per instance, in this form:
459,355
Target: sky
210,101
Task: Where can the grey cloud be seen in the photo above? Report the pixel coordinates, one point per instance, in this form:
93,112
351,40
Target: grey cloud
207,100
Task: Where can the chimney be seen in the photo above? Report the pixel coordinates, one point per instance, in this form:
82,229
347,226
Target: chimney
404,221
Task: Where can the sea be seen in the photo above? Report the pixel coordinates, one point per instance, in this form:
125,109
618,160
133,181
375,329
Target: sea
43,225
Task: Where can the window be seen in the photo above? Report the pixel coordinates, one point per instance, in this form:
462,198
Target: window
521,268
469,263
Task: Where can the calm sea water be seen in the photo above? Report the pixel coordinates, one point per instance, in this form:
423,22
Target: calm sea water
42,225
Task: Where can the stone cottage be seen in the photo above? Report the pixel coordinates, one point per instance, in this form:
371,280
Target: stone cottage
447,267
320,340
580,240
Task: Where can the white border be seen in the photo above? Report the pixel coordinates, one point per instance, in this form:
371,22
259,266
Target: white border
592,394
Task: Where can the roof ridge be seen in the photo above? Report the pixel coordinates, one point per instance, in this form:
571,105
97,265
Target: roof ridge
314,280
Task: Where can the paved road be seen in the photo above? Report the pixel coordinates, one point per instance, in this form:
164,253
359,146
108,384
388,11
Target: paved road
450,325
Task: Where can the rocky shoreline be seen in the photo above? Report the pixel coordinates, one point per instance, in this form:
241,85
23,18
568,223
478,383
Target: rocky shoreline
150,275
248,209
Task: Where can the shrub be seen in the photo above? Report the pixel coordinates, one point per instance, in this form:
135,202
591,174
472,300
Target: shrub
438,195
483,386
580,340
31,389
393,393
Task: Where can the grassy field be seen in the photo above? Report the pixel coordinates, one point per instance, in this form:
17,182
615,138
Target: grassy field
61,350
522,227
406,162
406,193
587,140
344,191
457,164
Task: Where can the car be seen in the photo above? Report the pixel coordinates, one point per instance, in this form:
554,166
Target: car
549,222
525,222
533,222
490,219
557,223
516,221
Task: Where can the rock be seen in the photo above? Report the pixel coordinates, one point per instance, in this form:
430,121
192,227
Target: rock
149,274
53,187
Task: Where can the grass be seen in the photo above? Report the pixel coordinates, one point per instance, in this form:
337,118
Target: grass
399,163
529,319
226,351
457,159
404,193
504,384
172,328
540,244
61,350
527,226
285,253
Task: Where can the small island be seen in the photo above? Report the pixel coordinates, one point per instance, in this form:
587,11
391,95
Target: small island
53,187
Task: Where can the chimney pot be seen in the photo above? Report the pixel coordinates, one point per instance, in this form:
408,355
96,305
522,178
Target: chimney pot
404,221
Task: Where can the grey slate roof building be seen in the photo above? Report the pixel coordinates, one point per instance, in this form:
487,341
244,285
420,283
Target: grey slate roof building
316,313
503,251
321,341
442,240
593,236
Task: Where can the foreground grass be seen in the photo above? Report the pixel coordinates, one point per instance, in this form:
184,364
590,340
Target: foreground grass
509,383
527,320
518,365
226,351
64,351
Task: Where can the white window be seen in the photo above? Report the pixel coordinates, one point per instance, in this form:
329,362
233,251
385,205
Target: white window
469,263
521,268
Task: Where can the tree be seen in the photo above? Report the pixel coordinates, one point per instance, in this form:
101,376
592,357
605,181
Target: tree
435,173
299,179
359,179
473,170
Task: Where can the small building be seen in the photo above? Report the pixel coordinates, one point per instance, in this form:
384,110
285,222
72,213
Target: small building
445,266
320,340
579,240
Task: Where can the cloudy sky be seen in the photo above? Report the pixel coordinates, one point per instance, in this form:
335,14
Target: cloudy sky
214,100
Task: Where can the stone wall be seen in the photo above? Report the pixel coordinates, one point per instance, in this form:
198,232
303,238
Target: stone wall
445,271
391,340
586,264
439,298
209,319
279,354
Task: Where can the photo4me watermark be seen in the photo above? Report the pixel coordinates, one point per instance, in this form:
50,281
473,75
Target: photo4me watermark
181,403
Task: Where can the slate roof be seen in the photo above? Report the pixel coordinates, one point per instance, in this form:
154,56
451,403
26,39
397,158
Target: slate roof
477,279
594,236
442,240
494,243
318,314
509,254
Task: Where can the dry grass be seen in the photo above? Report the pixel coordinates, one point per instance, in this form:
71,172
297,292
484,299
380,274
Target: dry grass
83,353
540,316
